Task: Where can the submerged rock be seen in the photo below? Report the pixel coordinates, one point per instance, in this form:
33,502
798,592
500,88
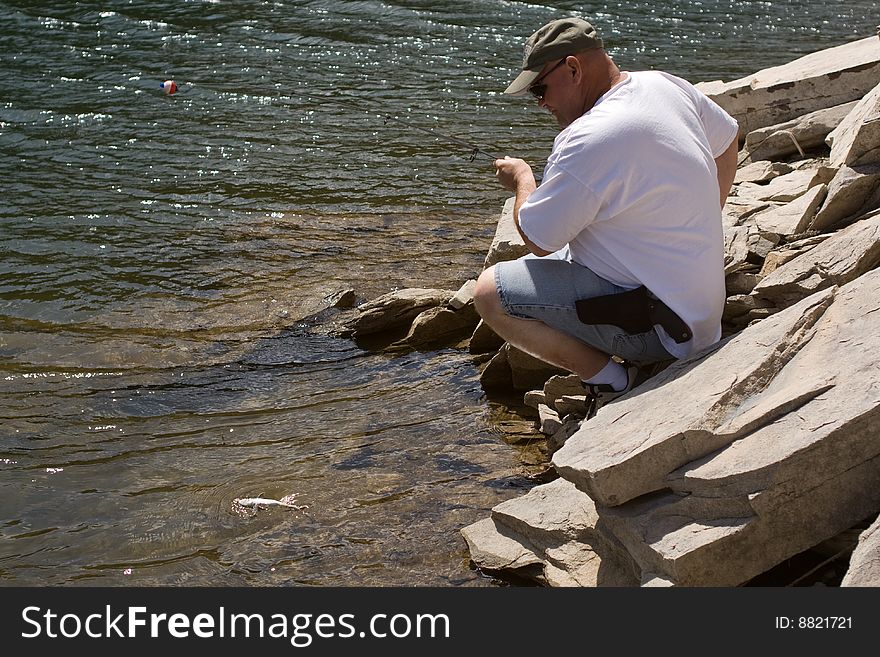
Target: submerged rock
395,310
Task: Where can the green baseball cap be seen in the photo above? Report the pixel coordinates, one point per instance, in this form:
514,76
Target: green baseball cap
557,39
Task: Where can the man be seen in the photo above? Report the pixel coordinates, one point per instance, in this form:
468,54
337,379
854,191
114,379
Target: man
630,202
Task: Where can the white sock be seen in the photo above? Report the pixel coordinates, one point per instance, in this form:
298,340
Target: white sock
613,374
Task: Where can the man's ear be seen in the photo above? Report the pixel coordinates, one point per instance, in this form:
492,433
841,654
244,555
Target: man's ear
575,67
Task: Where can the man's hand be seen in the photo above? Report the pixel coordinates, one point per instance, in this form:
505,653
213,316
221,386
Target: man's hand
515,175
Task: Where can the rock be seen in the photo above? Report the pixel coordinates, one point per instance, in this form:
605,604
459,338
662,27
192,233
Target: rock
757,314
548,420
864,564
838,260
793,217
464,296
857,139
440,327
395,310
795,136
815,81
737,210
571,405
741,304
775,259
741,282
570,426
491,549
534,398
745,246
853,191
736,249
497,374
778,257
562,385
562,395
484,340
507,243
562,521
342,299
758,171
513,369
778,453
784,188
619,455
760,243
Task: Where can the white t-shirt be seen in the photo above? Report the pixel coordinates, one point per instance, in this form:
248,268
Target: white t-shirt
631,186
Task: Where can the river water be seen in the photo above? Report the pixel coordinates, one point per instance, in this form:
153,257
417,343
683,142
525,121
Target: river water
162,255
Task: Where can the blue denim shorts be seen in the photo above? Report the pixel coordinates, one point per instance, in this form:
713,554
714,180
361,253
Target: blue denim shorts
546,289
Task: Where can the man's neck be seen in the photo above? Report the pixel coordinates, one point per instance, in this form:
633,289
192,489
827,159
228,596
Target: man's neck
614,76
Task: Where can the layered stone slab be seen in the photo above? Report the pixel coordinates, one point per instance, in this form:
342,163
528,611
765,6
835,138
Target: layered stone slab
793,217
782,189
758,171
795,136
857,139
842,258
440,326
804,467
686,412
553,526
852,192
815,81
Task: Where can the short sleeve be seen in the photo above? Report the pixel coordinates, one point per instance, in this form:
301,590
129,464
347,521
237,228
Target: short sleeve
559,209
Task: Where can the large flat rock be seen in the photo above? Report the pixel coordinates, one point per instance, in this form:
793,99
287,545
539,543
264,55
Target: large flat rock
688,411
815,81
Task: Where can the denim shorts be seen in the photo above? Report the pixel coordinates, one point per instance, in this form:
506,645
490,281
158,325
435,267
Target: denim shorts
546,289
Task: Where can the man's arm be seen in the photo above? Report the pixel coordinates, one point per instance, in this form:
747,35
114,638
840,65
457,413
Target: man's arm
516,176
726,165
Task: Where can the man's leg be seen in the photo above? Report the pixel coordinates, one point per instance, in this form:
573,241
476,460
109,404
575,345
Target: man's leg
535,337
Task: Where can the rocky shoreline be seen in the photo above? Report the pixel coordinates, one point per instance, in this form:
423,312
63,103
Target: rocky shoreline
718,468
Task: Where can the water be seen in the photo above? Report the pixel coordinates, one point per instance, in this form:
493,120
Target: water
162,257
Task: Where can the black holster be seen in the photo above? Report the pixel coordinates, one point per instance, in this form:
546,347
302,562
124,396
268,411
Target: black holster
635,311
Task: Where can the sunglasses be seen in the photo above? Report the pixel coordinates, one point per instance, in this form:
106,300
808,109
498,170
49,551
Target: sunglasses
537,89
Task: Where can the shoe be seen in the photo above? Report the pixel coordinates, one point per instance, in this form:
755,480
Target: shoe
599,394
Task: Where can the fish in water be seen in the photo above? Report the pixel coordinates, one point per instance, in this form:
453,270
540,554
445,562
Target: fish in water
263,502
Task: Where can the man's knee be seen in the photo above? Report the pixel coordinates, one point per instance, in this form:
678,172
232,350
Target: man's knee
486,299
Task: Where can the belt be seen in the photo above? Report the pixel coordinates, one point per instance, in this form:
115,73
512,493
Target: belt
635,311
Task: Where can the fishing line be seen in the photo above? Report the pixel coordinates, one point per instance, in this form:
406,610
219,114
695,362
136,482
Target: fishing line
449,139
475,150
